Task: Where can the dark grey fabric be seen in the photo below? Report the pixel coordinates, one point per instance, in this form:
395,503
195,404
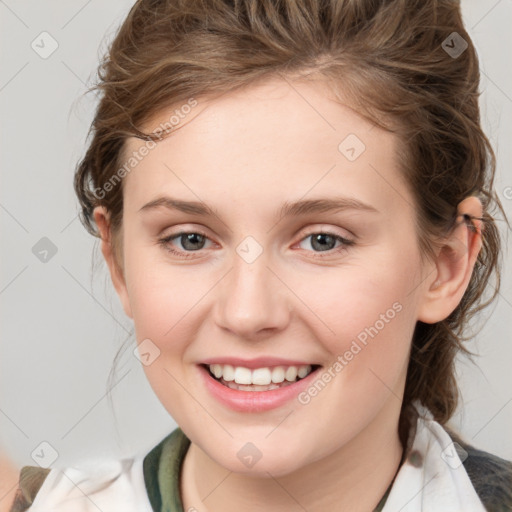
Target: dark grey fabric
490,475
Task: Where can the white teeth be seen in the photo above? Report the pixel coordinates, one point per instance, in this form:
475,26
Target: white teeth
228,372
291,373
242,375
259,376
242,387
302,371
216,369
278,374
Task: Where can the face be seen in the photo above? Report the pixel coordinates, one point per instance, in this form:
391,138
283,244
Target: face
338,289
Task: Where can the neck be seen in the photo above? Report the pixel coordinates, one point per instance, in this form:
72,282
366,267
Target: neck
354,478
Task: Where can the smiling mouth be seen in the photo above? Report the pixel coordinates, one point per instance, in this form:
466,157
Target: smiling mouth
254,387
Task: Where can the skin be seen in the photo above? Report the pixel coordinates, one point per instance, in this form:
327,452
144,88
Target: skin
245,154
9,476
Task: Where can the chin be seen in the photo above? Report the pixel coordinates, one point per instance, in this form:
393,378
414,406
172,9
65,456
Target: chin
260,458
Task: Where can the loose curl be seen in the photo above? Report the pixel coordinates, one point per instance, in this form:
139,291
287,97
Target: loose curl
385,57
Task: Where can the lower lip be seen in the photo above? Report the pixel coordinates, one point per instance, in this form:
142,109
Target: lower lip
254,401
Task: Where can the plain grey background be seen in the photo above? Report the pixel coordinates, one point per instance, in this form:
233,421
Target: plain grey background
61,324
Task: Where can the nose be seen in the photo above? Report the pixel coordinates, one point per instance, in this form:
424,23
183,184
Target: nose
253,301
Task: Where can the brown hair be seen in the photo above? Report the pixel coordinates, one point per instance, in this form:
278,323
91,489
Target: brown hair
390,58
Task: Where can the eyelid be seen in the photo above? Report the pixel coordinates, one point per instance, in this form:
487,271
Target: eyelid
304,232
165,243
185,231
165,240
327,229
345,244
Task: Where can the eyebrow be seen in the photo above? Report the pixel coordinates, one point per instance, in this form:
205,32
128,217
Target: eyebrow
301,207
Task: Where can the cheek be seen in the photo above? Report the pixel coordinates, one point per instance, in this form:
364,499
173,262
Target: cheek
370,312
162,301
160,305
161,295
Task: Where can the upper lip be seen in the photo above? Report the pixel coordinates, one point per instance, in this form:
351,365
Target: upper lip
258,362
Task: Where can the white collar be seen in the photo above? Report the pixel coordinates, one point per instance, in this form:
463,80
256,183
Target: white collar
432,478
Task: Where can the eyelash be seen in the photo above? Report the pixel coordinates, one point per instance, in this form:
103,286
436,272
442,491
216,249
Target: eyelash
164,242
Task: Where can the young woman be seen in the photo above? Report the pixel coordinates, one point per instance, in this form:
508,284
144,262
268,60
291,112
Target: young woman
294,200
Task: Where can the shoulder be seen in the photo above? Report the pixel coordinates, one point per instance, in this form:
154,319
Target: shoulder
89,485
31,480
490,475
129,484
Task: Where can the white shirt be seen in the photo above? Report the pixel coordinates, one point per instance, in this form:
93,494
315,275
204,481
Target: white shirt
438,482
95,486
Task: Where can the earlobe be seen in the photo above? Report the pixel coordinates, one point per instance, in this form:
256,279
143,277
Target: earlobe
102,219
447,283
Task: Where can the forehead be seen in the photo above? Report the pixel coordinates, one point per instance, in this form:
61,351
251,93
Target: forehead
267,141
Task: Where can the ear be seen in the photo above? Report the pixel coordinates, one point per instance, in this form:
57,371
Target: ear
453,265
102,219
